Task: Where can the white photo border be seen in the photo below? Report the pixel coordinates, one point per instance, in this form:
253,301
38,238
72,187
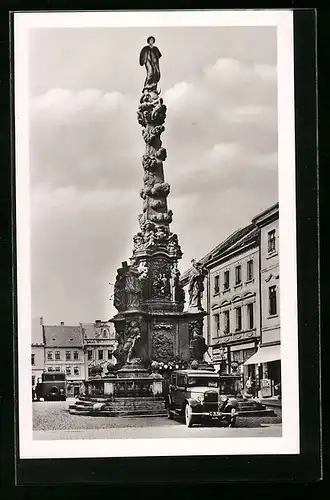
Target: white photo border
289,442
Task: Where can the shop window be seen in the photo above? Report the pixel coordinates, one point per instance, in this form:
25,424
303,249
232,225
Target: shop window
272,300
33,361
249,270
68,355
250,314
226,322
57,355
238,275
216,284
89,355
272,241
238,319
226,280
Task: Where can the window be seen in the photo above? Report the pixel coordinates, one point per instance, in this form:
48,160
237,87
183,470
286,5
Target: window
238,319
32,359
249,270
50,368
57,369
105,333
89,355
109,354
216,284
33,379
250,314
68,355
217,322
271,241
76,370
68,370
226,280
49,355
272,300
57,355
226,322
238,273
76,355
100,354
181,381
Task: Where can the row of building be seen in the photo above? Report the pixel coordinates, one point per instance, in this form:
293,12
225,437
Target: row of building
73,350
242,328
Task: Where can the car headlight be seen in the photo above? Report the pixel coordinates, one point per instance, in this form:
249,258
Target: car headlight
199,397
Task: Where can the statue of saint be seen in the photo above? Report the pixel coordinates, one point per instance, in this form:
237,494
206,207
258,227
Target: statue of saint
196,285
149,57
133,287
119,290
130,344
198,346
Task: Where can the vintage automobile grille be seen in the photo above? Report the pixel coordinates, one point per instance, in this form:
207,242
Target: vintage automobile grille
211,401
210,397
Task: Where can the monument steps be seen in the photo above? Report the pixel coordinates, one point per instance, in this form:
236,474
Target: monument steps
130,406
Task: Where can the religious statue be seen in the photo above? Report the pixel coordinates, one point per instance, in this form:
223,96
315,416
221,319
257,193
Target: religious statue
149,57
196,285
198,346
119,290
178,291
134,335
138,241
133,287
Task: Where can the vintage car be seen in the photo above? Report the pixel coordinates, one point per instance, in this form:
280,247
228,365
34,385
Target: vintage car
201,396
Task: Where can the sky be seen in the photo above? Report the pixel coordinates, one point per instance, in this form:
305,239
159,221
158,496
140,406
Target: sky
220,88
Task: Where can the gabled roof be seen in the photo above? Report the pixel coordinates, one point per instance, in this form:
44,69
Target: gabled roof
63,336
36,332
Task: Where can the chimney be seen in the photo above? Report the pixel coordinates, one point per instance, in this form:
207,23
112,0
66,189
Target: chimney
97,323
62,323
41,320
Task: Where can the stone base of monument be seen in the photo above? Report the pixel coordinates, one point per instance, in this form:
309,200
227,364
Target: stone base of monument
131,392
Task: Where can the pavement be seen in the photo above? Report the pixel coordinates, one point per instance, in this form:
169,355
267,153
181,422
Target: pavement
51,420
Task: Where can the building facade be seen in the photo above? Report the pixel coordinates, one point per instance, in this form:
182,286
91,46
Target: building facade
233,302
99,343
37,351
241,297
268,358
64,352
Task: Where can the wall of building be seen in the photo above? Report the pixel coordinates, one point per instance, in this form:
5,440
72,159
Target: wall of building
37,362
239,343
73,364
270,277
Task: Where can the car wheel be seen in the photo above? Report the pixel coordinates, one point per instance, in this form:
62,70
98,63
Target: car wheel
189,416
232,419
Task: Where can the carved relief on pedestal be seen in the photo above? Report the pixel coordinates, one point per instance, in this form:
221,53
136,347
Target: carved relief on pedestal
162,345
160,274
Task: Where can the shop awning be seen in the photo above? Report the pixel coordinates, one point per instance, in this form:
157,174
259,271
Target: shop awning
265,355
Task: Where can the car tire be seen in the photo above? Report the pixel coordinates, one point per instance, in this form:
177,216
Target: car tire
189,418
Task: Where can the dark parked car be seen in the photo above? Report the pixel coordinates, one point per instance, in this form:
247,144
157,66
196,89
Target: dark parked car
51,387
200,396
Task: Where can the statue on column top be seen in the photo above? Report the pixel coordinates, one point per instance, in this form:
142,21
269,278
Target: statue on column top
149,57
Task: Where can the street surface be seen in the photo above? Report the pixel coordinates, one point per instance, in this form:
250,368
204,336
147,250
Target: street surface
51,420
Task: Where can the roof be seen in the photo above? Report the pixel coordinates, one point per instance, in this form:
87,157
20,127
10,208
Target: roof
237,239
263,217
36,332
63,336
92,331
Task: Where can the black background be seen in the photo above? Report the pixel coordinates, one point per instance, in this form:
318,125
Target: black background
191,476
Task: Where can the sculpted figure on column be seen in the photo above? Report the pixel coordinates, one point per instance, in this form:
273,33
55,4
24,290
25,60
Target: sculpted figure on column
149,57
